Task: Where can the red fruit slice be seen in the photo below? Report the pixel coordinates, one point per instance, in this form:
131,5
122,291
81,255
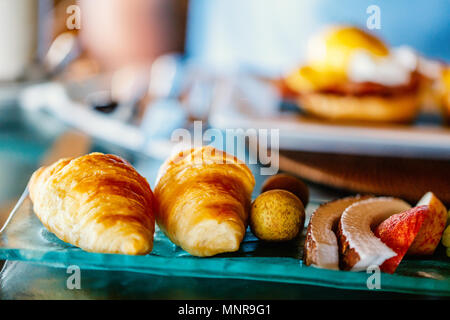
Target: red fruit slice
398,233
433,226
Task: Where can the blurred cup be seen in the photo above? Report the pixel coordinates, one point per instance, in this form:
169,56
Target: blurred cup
122,32
18,37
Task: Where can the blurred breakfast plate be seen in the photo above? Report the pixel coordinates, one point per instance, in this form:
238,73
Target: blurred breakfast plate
24,238
251,104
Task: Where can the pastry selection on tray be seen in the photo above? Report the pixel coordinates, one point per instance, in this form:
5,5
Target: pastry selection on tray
202,203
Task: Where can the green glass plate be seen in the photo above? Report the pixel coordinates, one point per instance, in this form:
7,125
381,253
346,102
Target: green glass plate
25,238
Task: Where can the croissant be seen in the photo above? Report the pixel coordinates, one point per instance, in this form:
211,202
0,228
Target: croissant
97,202
203,197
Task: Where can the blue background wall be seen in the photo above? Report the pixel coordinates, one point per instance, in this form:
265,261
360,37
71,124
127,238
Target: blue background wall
270,35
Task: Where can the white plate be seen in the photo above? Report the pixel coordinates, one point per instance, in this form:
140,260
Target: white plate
297,132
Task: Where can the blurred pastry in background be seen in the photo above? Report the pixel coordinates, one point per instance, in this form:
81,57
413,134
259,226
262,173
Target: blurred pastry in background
352,75
430,78
444,89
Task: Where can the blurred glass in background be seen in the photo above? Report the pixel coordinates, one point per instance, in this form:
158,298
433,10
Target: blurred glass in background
120,32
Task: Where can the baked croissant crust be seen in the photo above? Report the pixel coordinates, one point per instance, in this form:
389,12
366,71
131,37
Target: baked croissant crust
203,197
97,202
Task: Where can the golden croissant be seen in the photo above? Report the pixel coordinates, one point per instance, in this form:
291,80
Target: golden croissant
204,198
97,202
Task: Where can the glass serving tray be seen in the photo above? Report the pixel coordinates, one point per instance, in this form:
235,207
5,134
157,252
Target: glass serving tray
23,237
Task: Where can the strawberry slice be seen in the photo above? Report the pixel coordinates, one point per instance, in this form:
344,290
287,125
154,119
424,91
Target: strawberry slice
398,233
